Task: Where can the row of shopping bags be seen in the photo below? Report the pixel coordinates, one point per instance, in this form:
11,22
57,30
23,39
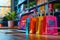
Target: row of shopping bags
46,25
41,25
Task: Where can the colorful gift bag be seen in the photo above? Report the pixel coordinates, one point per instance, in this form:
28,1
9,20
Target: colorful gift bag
22,22
39,25
50,25
27,25
32,28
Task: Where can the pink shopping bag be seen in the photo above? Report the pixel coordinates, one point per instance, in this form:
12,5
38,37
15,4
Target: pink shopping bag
50,25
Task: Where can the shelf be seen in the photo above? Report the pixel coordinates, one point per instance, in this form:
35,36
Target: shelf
26,13
40,5
35,6
19,4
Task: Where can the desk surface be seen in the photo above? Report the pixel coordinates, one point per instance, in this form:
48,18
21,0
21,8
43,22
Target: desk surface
22,36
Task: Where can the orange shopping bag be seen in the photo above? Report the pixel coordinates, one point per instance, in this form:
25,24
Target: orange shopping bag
32,28
39,25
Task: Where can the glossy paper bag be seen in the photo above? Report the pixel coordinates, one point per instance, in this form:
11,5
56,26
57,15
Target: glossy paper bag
50,25
32,28
22,22
39,25
27,25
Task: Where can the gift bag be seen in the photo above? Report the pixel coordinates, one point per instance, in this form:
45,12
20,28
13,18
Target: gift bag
27,25
32,28
22,22
39,25
32,25
50,25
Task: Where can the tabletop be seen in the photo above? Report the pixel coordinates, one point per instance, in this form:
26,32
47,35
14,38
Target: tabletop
22,36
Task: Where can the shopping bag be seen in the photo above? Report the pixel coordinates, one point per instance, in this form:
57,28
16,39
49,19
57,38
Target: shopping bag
32,28
22,22
28,22
39,25
27,25
50,25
